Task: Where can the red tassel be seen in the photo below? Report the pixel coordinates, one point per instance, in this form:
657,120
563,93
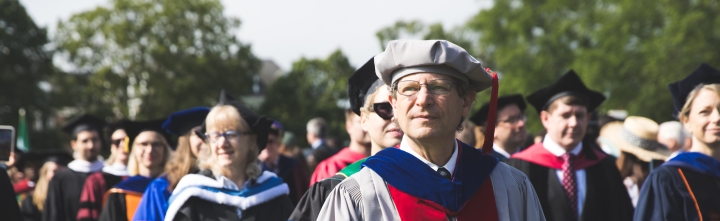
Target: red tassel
491,118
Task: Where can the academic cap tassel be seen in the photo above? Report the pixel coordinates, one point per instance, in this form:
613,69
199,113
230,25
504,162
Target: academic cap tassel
490,130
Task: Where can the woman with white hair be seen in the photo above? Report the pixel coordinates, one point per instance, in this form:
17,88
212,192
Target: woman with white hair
235,188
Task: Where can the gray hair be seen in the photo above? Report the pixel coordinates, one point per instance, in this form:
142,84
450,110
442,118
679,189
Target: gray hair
317,126
673,130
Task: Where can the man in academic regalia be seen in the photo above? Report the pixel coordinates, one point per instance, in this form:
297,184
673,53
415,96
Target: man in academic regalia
431,175
573,179
510,131
63,196
114,171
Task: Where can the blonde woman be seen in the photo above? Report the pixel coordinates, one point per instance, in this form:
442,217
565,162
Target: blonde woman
149,153
32,206
687,187
235,188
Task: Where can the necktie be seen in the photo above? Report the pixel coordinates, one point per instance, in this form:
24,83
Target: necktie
569,183
444,173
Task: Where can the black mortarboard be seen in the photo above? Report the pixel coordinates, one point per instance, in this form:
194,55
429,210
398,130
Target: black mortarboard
39,157
705,74
82,123
480,117
134,128
112,127
569,84
362,83
181,122
260,125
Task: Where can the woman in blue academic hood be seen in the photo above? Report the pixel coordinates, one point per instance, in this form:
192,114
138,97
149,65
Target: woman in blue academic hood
687,187
184,123
235,188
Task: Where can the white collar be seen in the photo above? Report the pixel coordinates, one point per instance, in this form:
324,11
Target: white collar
675,153
450,165
501,151
83,166
317,143
557,150
117,169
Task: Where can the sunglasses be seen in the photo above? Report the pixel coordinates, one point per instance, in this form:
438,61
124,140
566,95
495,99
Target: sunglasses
384,110
117,142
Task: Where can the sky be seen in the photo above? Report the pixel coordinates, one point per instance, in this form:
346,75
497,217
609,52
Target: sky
286,30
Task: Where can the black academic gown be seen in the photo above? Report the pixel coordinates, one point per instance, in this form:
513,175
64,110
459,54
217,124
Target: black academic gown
606,198
29,211
294,175
63,196
311,202
500,157
9,209
665,195
195,208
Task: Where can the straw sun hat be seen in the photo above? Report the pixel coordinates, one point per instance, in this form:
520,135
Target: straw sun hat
638,136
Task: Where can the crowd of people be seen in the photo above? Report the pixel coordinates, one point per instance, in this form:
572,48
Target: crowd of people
416,152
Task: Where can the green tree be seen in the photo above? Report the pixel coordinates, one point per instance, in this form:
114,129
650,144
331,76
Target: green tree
146,58
628,49
416,29
313,88
25,64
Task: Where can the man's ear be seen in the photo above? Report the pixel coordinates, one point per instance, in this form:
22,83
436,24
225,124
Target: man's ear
467,102
544,118
363,120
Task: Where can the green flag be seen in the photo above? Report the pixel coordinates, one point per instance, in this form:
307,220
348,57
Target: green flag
22,134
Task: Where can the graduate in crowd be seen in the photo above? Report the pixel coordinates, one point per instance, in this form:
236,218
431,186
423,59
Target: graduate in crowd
510,132
292,173
358,148
687,187
368,99
235,188
117,162
149,152
640,152
431,175
114,171
32,206
184,160
63,196
672,135
317,130
574,180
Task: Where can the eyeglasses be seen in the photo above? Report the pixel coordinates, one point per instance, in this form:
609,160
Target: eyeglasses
384,110
436,87
514,119
230,135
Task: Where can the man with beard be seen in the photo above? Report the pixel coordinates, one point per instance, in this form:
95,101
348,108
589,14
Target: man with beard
574,180
63,195
510,131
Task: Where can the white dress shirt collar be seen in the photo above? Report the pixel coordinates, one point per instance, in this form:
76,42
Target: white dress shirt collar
501,151
450,165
